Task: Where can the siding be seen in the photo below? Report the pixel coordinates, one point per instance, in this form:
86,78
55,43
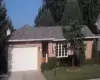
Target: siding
88,51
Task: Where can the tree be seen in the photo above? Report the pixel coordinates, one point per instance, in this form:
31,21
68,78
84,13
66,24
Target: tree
10,25
61,11
74,36
56,7
64,19
3,37
90,12
40,11
72,11
45,19
95,53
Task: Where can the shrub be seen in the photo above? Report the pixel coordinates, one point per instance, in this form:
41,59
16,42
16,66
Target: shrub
94,49
43,67
51,63
89,62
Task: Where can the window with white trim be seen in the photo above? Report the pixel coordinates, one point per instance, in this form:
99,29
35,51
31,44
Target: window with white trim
61,50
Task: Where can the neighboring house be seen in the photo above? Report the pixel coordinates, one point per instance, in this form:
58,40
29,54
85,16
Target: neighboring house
29,46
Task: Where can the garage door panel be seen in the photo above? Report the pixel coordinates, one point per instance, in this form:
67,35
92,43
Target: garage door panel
24,59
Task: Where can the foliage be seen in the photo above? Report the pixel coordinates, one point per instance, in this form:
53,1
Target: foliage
61,11
51,63
74,11
92,61
74,36
40,11
45,19
64,19
5,23
90,11
56,7
89,62
3,29
85,11
43,67
71,33
95,53
10,25
94,49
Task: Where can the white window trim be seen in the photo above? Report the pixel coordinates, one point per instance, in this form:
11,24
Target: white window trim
60,46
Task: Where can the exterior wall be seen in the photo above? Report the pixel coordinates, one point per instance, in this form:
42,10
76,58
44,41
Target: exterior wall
36,44
51,49
88,51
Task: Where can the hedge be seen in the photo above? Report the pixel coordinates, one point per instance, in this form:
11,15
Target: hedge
52,63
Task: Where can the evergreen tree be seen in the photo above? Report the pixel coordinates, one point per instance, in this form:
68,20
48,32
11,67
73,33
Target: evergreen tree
90,11
3,37
56,7
72,11
64,19
41,9
45,19
10,25
61,11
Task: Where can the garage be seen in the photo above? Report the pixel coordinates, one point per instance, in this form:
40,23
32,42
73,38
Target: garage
24,58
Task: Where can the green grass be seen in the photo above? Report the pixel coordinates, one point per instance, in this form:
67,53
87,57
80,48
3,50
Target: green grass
85,72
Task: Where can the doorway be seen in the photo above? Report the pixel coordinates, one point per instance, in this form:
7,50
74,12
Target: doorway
44,50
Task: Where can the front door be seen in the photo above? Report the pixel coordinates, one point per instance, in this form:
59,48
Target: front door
44,50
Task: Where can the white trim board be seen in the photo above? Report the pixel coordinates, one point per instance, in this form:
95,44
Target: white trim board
21,40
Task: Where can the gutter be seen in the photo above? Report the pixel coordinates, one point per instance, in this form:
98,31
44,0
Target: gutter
46,39
92,37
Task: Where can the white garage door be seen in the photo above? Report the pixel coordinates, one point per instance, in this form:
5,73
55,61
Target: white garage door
24,59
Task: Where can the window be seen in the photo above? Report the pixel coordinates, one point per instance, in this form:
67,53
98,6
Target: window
61,50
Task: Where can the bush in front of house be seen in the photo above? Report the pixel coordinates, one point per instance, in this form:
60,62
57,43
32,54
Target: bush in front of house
51,63
43,67
89,62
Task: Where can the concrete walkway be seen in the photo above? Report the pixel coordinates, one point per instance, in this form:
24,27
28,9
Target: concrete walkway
95,79
29,75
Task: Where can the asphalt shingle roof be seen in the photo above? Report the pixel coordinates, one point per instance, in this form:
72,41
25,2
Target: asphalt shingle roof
28,32
87,32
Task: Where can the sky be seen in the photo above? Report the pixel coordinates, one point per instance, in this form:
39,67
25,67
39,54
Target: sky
22,12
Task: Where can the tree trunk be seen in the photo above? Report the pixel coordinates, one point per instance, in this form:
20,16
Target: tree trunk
72,61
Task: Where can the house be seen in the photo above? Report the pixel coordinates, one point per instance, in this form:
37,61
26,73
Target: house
31,46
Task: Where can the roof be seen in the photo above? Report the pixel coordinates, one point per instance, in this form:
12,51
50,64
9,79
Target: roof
37,33
28,33
87,32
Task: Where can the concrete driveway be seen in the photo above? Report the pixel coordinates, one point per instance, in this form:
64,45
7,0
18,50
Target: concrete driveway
29,75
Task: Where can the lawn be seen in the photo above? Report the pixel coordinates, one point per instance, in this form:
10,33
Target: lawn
85,72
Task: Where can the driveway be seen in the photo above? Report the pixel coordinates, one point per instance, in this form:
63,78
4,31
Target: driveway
29,75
